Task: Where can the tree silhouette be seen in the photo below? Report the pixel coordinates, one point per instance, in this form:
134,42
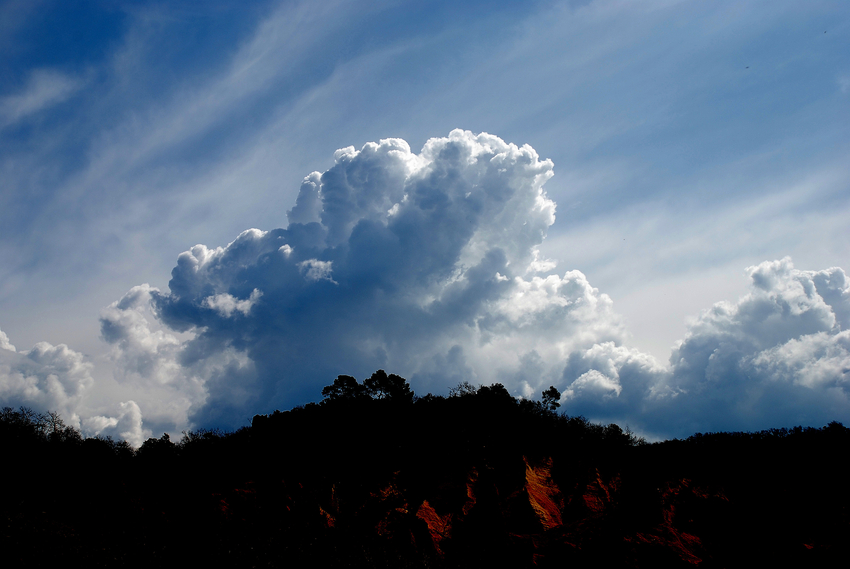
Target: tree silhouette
550,398
383,386
463,388
343,388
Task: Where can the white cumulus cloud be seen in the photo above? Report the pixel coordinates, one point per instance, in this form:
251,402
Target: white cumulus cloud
428,265
57,378
173,371
226,304
4,342
777,356
126,426
46,377
316,270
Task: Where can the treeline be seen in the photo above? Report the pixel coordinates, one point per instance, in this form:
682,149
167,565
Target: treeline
376,476
381,401
25,427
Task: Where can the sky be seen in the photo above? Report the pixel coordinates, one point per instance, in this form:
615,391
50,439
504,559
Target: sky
209,211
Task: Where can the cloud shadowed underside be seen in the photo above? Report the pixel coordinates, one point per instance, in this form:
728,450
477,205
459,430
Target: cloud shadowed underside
427,265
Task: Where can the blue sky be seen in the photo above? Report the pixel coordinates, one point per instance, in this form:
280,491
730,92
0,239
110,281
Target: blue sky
696,147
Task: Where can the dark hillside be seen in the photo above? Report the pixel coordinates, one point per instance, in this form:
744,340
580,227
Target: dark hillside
375,477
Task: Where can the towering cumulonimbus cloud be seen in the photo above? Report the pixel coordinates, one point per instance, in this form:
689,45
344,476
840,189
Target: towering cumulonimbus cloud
428,265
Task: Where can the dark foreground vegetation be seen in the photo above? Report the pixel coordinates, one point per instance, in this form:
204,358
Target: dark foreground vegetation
376,477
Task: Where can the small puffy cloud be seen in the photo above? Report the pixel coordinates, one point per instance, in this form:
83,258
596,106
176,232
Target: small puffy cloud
316,270
45,378
538,265
778,356
126,426
57,378
610,382
226,304
785,304
596,383
308,204
4,342
815,361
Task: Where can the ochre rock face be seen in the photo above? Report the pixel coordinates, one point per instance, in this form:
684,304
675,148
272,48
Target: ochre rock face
544,496
438,526
548,514
536,516
599,494
532,514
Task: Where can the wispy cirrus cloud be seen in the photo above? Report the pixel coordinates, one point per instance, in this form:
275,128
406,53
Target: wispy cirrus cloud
44,89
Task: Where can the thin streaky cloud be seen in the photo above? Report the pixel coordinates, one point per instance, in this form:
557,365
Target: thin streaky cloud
44,89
